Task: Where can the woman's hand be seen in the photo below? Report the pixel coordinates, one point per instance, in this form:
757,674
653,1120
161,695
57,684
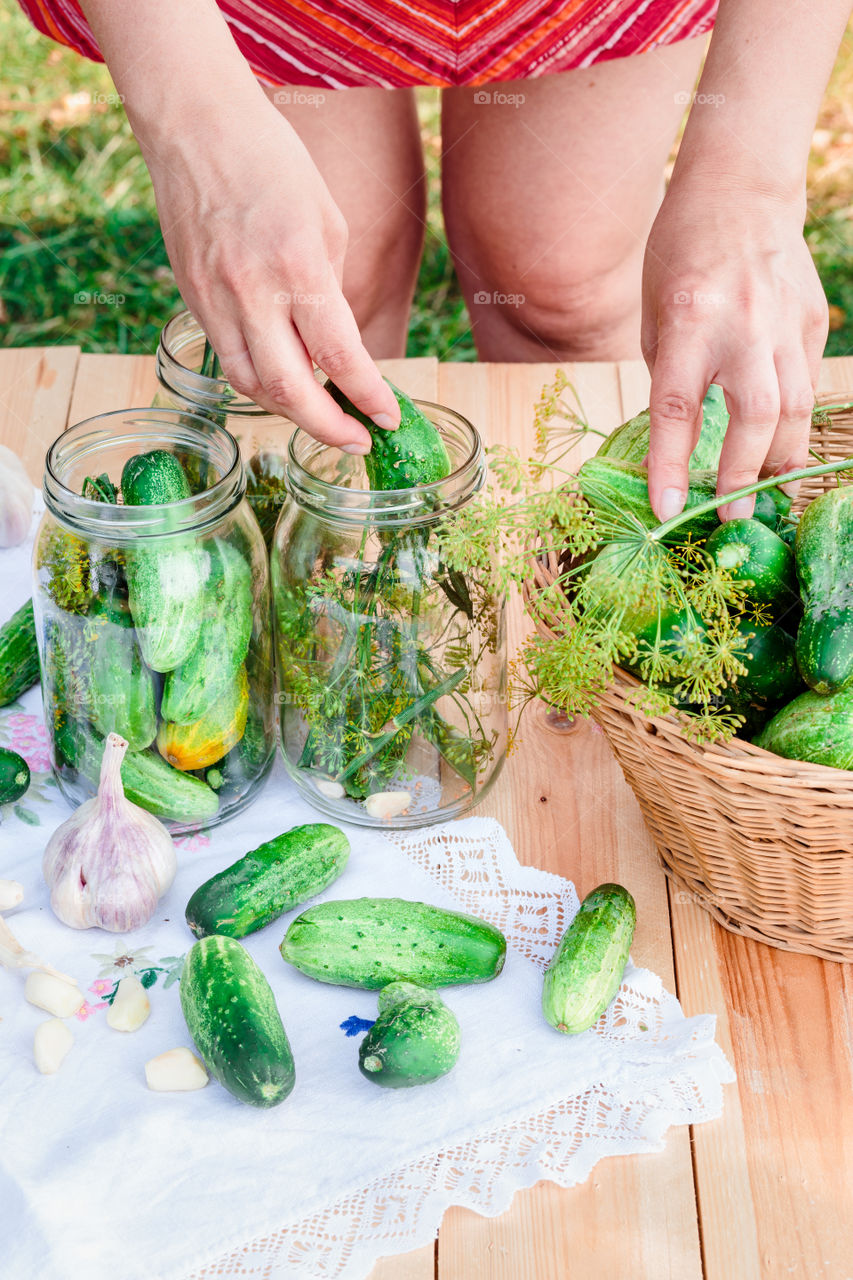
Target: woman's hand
730,295
257,247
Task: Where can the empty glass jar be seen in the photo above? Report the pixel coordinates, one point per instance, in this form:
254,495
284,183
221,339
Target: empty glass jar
153,621
391,666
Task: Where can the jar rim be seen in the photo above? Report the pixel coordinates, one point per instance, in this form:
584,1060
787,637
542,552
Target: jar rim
390,508
207,392
121,523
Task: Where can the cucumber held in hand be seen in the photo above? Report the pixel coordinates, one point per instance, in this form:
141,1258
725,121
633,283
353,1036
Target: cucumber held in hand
412,455
369,942
824,555
232,1016
270,880
615,489
14,776
630,442
165,578
414,1040
586,970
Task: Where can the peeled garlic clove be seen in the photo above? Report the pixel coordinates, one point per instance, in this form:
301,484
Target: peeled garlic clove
331,789
51,1043
387,804
175,1071
130,1006
11,894
54,995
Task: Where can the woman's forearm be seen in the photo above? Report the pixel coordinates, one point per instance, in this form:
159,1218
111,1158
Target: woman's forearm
176,66
755,108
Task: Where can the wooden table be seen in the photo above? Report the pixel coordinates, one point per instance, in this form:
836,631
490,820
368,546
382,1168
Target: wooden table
765,1191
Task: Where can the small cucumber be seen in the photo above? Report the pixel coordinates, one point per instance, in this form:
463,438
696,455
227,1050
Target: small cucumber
815,727
617,489
19,655
414,1040
630,442
751,552
586,971
232,1017
14,776
270,880
412,455
208,739
824,555
123,697
369,942
772,675
153,478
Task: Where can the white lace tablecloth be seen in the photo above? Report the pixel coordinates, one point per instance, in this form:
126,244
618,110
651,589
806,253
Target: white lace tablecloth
102,1179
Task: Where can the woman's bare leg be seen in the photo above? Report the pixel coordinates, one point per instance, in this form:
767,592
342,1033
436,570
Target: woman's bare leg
550,189
366,144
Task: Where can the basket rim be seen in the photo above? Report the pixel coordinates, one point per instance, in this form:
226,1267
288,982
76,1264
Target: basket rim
543,571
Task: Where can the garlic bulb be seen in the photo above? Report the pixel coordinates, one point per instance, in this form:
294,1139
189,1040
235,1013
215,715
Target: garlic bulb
110,862
16,499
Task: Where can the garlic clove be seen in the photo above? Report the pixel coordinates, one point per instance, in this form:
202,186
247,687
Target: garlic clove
331,789
130,1006
53,994
11,894
387,804
176,1070
51,1044
111,861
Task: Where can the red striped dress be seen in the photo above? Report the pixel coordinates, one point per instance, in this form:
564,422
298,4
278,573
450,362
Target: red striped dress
392,43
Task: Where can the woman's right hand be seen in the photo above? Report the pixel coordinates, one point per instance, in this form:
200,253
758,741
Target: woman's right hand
257,246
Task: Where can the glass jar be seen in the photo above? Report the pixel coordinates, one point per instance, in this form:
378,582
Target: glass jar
391,667
262,436
154,621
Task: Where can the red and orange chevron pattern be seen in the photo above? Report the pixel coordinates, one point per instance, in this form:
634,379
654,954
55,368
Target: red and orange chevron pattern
392,43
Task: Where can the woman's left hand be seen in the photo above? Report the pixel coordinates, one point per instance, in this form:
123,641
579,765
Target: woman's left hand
730,295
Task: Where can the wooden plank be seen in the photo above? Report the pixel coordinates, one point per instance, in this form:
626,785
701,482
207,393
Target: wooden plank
36,387
773,1173
420,1263
634,383
566,807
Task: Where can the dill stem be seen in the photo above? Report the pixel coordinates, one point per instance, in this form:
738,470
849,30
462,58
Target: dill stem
802,473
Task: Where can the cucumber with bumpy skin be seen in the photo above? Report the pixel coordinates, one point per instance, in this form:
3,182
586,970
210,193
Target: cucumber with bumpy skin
815,727
412,455
369,942
14,776
232,1017
585,973
414,1040
269,880
824,556
19,655
750,552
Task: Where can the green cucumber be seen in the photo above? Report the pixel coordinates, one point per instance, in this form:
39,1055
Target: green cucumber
146,778
14,776
19,655
278,875
152,479
165,579
772,508
231,1014
123,697
369,942
412,455
585,973
414,1040
824,556
773,676
750,552
205,676
615,489
630,442
814,727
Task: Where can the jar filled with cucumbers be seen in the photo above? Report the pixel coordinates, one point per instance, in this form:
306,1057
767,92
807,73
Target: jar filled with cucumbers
152,608
391,665
190,378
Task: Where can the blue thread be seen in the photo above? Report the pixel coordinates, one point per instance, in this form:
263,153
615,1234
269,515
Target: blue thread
353,1025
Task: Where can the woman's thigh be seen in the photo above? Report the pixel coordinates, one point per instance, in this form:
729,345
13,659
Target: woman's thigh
366,144
550,189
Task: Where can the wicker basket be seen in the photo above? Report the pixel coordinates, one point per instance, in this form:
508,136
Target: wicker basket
762,843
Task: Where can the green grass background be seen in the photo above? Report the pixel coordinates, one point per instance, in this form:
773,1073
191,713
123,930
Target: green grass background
81,255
